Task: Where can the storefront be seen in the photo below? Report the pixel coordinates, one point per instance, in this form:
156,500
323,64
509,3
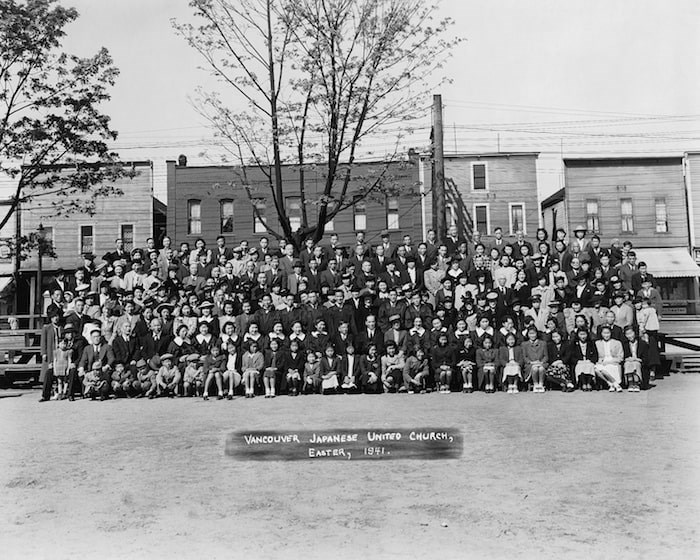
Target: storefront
676,275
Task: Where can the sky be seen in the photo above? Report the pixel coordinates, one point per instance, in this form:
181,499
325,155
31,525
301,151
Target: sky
571,78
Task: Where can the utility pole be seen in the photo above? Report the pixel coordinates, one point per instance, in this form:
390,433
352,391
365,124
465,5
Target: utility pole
438,169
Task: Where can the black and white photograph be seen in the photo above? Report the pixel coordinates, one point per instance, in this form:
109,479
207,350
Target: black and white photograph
411,279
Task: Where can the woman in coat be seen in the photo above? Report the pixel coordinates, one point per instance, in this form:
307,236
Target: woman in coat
559,370
584,356
535,358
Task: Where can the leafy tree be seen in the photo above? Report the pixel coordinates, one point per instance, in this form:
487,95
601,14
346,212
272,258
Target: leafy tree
316,78
49,111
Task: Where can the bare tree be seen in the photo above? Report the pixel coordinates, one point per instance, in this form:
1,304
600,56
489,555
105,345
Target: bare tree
315,79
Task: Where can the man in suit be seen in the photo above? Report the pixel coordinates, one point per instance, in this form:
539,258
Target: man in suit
388,249
370,334
641,276
96,350
331,277
313,276
380,259
287,260
194,280
221,251
595,251
336,312
519,242
294,278
155,343
307,254
126,348
78,317
453,240
431,244
51,335
498,241
119,253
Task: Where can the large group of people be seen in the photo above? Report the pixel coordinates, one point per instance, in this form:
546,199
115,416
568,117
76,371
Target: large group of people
457,315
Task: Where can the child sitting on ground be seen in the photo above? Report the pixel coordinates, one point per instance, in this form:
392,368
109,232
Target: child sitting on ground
193,378
95,381
167,379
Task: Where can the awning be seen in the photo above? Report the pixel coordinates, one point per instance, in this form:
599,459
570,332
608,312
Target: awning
674,262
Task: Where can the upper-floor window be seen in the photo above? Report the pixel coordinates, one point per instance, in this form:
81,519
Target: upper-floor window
392,212
226,211
260,218
479,177
517,217
87,239
627,215
592,217
661,215
359,211
481,218
126,232
194,217
293,204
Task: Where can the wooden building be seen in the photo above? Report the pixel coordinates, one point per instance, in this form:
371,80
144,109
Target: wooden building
637,199
486,191
209,201
129,217
692,182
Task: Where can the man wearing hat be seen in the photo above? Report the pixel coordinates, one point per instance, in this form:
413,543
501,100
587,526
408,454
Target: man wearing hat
51,335
96,350
295,278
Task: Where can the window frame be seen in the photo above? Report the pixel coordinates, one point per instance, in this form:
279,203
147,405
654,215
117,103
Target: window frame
133,236
662,200
510,217
259,225
330,207
389,225
80,238
191,202
488,217
486,176
624,217
595,216
356,214
223,202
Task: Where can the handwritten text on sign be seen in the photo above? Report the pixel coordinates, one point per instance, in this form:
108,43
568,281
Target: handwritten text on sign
416,443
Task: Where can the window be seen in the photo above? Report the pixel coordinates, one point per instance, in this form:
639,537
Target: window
126,232
661,215
226,212
392,212
479,180
293,204
481,218
627,215
592,219
87,240
330,224
517,217
260,219
47,244
359,211
194,217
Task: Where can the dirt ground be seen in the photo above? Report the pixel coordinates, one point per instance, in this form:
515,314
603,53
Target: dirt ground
594,475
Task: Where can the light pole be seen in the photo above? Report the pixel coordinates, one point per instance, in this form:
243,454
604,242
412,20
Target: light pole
40,251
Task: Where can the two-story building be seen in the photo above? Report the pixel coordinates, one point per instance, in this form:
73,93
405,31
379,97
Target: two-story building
213,200
638,199
133,216
486,191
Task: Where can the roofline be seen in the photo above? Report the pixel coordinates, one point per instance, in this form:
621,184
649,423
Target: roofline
403,159
486,155
623,158
137,163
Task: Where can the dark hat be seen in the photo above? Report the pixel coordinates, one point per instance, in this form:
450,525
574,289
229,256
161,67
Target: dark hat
385,233
296,262
637,300
394,318
619,294
410,259
70,328
154,362
580,276
163,306
173,267
89,256
141,363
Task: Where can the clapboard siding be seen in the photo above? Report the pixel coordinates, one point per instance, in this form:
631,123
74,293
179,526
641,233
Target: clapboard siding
511,178
643,181
693,172
212,184
134,207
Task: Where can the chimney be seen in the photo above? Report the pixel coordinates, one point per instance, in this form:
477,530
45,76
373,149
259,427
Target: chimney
182,160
